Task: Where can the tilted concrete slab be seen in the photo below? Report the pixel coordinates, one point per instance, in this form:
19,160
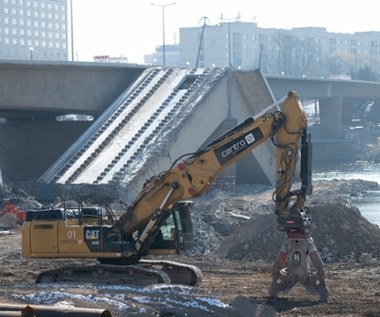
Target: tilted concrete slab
165,114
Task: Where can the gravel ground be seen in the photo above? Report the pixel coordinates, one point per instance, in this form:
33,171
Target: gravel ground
236,242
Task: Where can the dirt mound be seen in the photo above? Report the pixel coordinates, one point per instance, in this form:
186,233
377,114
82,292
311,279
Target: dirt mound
340,233
242,225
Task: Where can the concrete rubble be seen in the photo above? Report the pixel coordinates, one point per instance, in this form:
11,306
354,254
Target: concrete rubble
339,230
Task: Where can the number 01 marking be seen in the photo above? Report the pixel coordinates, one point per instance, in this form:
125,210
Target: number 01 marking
71,234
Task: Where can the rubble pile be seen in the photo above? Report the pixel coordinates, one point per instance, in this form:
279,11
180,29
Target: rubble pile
8,221
248,231
23,200
340,234
217,214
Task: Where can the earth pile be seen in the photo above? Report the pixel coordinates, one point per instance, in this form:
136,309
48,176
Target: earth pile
243,226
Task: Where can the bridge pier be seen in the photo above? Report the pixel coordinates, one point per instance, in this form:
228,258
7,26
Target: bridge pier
330,113
347,111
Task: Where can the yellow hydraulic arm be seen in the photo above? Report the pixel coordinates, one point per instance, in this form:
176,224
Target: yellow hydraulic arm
284,122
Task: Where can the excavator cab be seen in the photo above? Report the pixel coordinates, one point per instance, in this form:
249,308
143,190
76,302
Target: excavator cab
176,232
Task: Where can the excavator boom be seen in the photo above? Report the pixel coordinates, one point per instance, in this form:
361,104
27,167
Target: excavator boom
283,122
133,235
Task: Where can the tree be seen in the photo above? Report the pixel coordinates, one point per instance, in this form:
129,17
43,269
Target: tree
365,73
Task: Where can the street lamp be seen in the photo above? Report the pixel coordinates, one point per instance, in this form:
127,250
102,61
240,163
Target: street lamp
163,6
31,50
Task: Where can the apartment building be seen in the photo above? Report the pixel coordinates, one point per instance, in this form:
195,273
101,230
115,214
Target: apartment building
306,51
33,30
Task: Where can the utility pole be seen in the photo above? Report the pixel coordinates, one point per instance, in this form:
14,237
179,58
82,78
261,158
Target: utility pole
229,36
261,55
201,40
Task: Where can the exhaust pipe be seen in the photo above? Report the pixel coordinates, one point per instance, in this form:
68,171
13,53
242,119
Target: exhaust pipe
10,310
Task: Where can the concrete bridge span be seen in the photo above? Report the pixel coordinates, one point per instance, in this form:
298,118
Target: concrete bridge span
33,93
313,88
33,90
337,98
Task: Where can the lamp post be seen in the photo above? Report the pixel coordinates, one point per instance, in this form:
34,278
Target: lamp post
71,30
31,50
163,6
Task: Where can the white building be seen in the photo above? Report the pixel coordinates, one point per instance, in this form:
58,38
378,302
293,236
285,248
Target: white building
304,51
171,56
33,29
227,44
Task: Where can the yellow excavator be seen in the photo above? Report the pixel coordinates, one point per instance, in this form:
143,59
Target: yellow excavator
159,220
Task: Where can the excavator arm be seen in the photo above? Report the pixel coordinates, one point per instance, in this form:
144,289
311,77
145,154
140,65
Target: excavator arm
50,233
283,122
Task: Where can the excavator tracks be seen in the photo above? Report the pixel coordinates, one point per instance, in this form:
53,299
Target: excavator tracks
179,273
105,274
146,273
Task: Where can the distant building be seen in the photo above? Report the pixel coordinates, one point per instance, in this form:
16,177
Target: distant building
33,29
171,56
110,59
235,43
305,51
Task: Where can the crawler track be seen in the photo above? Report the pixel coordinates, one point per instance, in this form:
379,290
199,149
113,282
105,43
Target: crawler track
105,274
179,273
147,272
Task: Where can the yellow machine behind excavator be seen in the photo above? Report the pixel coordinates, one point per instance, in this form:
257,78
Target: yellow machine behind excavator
159,220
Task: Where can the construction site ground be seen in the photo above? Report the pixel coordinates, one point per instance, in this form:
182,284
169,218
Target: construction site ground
236,243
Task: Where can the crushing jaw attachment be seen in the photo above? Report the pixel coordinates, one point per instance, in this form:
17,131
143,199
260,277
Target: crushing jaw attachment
298,260
292,266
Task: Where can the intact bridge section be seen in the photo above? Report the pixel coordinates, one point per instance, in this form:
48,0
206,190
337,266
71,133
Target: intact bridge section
339,101
34,93
41,90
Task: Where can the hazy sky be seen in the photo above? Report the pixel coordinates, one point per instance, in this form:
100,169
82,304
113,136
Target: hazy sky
132,28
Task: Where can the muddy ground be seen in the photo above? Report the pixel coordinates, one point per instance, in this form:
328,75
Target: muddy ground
236,243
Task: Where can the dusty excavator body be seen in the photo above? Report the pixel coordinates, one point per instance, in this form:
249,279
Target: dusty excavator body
140,230
60,233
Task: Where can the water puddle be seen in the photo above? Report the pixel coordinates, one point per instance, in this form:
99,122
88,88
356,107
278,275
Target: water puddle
369,206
